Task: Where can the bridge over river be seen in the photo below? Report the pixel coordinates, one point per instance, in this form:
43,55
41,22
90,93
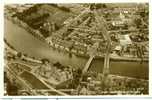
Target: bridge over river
24,42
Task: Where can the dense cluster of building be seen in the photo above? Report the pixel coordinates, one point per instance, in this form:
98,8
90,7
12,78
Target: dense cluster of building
78,32
64,77
81,32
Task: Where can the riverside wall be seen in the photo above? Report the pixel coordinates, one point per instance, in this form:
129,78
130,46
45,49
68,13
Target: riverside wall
80,53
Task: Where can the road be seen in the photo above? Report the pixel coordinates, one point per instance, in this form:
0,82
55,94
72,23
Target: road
101,25
31,81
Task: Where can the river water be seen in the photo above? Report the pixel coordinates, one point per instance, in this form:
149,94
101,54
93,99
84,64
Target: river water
24,42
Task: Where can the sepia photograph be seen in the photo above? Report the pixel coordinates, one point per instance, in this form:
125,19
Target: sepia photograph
76,49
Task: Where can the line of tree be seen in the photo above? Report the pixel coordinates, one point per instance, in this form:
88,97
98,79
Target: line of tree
61,7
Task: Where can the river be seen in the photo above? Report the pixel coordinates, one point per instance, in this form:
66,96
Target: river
24,42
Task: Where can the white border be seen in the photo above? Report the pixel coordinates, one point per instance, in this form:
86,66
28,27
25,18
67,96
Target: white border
1,49
150,47
72,1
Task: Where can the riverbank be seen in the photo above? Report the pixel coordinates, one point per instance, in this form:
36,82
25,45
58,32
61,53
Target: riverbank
125,81
36,48
22,24
117,84
61,48
30,59
30,71
112,57
23,57
114,88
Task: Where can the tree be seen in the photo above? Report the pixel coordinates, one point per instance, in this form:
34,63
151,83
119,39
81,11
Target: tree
12,88
19,54
138,22
44,32
97,6
65,9
44,60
